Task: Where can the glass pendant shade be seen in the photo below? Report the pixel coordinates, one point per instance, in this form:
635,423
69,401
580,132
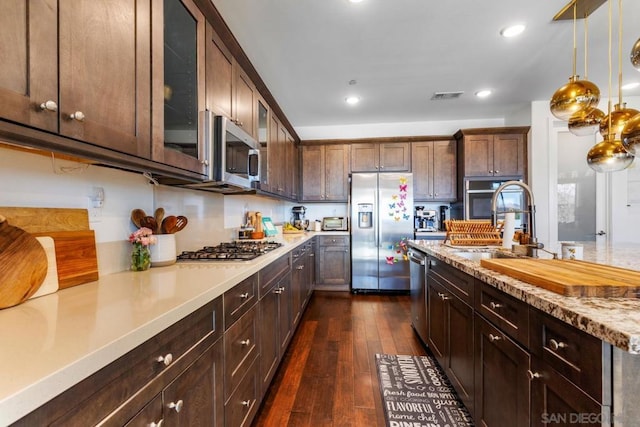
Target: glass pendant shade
631,135
609,156
574,97
619,118
635,55
586,123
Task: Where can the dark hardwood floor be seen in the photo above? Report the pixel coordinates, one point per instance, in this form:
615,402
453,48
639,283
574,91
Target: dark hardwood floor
328,375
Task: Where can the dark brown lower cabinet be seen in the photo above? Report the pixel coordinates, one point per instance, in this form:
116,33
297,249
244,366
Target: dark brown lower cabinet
333,268
275,325
502,392
450,338
556,401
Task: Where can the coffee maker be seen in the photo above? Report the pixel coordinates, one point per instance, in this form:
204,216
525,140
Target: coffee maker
297,217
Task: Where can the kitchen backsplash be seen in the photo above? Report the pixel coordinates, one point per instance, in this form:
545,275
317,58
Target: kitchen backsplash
35,180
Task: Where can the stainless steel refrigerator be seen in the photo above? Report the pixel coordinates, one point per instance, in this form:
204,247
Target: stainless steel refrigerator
381,223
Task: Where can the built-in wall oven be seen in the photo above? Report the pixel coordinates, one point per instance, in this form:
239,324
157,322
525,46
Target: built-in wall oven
479,192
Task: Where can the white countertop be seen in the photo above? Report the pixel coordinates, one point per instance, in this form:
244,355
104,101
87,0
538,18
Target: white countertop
613,320
52,342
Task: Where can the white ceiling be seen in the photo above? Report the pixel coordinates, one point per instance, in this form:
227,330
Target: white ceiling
402,51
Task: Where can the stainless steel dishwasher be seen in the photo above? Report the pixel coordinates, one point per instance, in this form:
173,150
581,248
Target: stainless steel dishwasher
418,275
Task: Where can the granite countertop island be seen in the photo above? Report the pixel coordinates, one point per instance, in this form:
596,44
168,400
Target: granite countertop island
53,342
613,320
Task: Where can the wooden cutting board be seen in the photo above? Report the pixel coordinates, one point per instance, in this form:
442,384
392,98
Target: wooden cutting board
50,283
23,264
570,277
75,249
76,256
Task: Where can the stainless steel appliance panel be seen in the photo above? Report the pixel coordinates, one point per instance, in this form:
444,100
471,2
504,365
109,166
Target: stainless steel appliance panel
364,239
382,221
419,295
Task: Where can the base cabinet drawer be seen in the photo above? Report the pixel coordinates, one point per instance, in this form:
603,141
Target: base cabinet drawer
242,405
240,349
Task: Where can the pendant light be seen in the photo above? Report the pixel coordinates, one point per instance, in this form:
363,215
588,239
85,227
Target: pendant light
586,123
618,118
609,155
631,132
635,55
577,95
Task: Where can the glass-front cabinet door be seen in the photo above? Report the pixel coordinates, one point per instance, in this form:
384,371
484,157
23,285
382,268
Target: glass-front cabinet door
180,141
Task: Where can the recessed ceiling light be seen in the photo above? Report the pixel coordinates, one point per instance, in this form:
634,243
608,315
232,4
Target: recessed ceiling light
352,100
512,31
483,93
355,1
630,86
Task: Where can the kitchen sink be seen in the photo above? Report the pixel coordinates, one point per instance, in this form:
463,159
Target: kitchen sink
477,256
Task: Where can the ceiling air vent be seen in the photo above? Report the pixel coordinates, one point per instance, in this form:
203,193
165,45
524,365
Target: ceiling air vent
437,96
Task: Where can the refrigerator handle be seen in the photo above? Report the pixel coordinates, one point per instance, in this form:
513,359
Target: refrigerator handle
376,214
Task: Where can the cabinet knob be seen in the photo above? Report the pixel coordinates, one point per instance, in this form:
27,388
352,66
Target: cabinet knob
300,267
494,305
496,171
494,338
245,342
532,375
158,424
245,295
277,291
205,162
443,296
555,345
176,406
246,403
78,115
49,105
436,194
167,359
491,172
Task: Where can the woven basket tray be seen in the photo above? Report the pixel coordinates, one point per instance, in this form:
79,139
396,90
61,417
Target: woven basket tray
472,233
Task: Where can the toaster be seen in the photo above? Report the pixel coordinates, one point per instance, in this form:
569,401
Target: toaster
334,223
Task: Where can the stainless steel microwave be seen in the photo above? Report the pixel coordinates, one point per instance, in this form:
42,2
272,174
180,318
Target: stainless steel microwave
232,157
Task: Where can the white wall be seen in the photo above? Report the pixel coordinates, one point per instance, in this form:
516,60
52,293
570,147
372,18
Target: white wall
380,130
622,219
30,180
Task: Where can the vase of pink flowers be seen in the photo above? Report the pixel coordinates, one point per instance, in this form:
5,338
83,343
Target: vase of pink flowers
141,254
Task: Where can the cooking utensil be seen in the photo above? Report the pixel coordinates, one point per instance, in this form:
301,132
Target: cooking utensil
258,225
180,224
168,223
23,264
149,222
137,216
158,215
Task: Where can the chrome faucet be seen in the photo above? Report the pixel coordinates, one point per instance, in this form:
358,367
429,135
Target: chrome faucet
533,245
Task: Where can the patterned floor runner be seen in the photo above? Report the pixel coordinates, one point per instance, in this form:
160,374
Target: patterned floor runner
416,393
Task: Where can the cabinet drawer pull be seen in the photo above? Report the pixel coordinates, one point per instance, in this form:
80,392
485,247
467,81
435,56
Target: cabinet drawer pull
246,403
166,359
158,424
277,291
245,295
177,406
494,338
494,305
532,375
49,105
245,342
78,115
555,345
443,296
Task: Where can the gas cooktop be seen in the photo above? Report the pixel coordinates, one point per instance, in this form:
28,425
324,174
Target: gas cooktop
230,251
